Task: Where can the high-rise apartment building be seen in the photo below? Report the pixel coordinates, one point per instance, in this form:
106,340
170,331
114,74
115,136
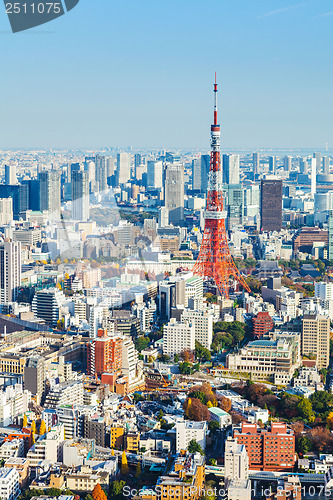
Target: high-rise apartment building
101,173
256,163
10,271
10,174
271,205
272,164
315,340
174,193
6,210
49,189
104,354
231,169
123,168
80,196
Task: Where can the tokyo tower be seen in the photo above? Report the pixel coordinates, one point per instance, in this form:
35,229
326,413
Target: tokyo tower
215,262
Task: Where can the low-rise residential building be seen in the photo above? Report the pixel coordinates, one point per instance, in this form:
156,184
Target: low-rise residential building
187,430
222,417
22,466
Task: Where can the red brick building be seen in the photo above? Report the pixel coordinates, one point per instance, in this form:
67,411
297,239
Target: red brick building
268,450
262,324
104,354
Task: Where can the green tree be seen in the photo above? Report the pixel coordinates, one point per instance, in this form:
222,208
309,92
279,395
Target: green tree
194,447
305,410
185,368
176,358
141,343
199,395
322,402
201,352
303,445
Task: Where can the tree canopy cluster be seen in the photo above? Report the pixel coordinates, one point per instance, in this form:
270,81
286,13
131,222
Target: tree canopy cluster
227,334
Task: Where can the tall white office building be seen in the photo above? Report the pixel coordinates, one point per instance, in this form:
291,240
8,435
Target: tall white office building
10,174
123,168
231,169
101,173
155,174
10,271
203,325
6,210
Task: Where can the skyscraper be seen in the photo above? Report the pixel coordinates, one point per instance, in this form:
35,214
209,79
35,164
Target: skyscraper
231,169
287,163
326,164
316,338
101,173
19,194
10,271
234,205
256,163
317,156
174,193
313,175
205,166
155,174
196,174
104,354
49,189
330,235
80,196
303,166
271,205
123,168
272,164
10,175
6,210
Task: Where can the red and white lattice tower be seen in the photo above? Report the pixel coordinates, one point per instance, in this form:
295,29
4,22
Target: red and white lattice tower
215,262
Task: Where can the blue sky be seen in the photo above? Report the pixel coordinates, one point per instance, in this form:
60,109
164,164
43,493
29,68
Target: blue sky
140,73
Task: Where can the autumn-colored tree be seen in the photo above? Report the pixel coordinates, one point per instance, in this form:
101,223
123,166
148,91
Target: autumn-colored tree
25,421
33,427
42,428
237,418
187,355
124,465
195,410
225,404
98,493
298,428
322,439
330,420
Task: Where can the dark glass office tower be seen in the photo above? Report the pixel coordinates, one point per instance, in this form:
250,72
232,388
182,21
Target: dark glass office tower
271,205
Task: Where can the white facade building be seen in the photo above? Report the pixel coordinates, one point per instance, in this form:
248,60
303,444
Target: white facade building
203,325
9,483
178,337
10,271
48,447
187,430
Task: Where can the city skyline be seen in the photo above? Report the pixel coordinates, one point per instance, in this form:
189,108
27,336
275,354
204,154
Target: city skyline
90,88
